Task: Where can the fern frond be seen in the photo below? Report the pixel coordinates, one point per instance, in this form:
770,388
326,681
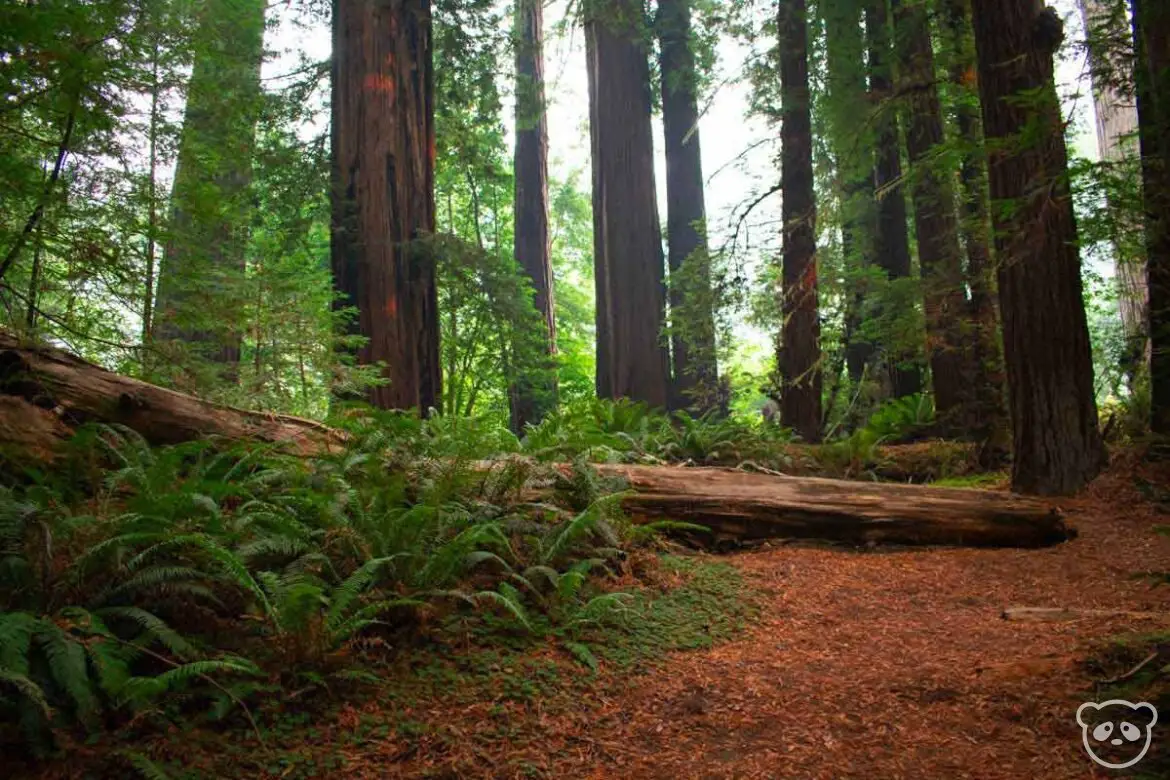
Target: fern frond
154,627
28,690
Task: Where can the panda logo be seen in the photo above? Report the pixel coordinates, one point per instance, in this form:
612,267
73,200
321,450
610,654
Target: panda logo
1117,733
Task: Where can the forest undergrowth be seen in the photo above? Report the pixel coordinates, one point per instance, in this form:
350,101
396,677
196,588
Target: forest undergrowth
228,595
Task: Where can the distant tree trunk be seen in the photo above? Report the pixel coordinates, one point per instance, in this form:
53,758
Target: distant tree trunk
1106,23
383,192
939,254
987,383
532,398
1151,29
693,341
799,361
203,263
893,244
853,150
1058,447
632,361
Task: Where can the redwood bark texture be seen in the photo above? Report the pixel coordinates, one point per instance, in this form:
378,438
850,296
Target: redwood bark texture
202,268
993,428
692,342
939,253
892,244
1151,21
632,359
530,400
1057,446
799,360
383,192
739,506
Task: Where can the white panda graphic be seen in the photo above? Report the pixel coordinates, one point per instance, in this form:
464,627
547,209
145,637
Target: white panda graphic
1117,733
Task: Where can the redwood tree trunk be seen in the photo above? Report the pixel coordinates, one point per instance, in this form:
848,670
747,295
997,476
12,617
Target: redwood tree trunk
1058,447
383,192
1151,23
892,242
994,429
939,254
692,318
202,269
632,360
800,353
532,398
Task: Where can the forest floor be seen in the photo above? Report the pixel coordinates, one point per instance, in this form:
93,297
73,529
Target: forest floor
885,663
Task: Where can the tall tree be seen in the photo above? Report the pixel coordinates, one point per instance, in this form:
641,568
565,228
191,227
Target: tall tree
692,318
632,361
853,158
529,399
799,361
1151,30
1057,446
383,192
1108,39
892,246
939,253
204,259
975,226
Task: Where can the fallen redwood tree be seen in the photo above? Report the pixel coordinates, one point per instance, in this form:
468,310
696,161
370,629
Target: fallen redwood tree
46,392
743,506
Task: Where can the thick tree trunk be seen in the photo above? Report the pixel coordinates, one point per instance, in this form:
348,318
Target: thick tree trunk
893,243
201,276
532,398
692,318
1057,446
993,430
799,360
737,505
383,192
632,360
1151,27
948,331
46,392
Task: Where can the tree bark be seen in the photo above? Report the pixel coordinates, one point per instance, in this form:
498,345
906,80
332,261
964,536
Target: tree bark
692,318
531,398
948,331
632,360
743,506
201,275
1057,446
383,192
1151,29
892,243
993,429
799,360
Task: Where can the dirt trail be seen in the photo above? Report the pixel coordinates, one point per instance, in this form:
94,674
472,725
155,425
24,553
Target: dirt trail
897,665
886,665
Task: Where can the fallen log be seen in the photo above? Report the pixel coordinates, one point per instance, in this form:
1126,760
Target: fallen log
746,506
46,392
1046,614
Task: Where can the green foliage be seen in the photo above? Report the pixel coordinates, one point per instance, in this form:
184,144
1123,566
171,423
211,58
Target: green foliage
107,614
